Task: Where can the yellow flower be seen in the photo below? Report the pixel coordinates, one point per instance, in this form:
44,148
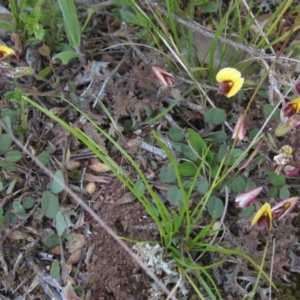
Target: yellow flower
5,51
230,81
263,217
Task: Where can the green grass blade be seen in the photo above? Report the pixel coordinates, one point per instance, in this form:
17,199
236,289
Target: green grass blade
71,22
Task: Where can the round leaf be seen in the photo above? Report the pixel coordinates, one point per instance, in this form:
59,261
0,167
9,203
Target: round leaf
284,192
50,205
277,180
167,174
56,185
268,108
60,223
215,116
187,169
215,207
247,212
13,156
175,196
28,203
238,184
202,186
176,134
5,142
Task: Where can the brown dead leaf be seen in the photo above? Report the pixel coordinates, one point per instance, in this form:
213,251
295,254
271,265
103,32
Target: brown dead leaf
78,241
127,198
55,250
91,177
17,235
73,165
99,167
75,257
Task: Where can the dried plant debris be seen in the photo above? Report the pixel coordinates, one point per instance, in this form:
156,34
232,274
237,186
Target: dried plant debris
154,258
237,276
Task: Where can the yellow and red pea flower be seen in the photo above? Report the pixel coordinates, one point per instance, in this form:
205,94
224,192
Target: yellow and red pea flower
231,81
263,218
282,208
5,51
289,110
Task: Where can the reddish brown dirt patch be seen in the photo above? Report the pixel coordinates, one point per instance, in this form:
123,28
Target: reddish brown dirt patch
111,272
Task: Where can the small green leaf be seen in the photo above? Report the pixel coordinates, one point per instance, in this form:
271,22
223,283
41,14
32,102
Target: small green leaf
44,157
189,153
52,240
18,208
272,193
2,220
167,174
57,183
126,16
176,134
215,116
247,212
55,269
175,196
50,205
28,203
277,180
13,156
75,175
13,115
9,166
187,169
217,137
6,26
238,184
267,110
209,7
196,142
250,184
11,186
66,56
60,223
284,192
202,186
45,72
215,207
140,187
5,142
233,156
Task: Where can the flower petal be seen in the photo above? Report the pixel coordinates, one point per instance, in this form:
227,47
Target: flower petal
237,85
262,215
5,51
297,87
239,130
243,200
291,171
228,74
164,77
282,208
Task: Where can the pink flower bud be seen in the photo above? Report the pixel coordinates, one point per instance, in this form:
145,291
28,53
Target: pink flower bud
245,199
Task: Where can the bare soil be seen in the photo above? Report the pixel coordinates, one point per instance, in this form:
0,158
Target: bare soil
111,273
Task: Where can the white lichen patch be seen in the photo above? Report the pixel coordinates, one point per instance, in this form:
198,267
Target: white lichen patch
154,258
